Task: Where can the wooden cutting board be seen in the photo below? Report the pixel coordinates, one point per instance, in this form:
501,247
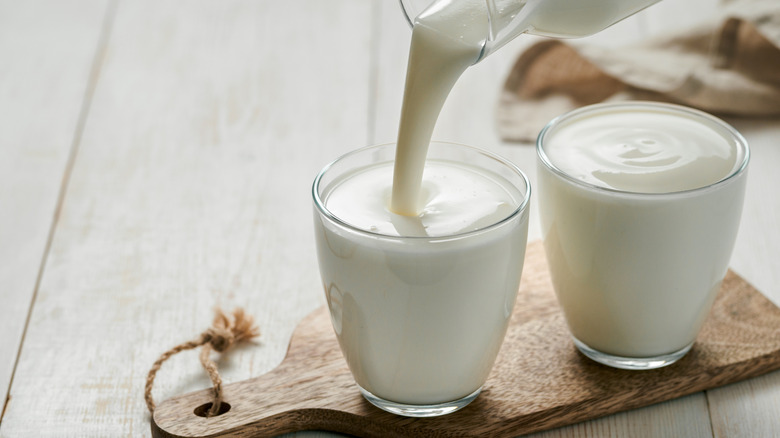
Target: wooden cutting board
540,381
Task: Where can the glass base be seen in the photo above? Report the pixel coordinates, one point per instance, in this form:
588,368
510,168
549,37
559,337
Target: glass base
631,363
419,410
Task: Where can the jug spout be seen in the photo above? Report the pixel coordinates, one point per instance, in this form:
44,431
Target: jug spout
506,19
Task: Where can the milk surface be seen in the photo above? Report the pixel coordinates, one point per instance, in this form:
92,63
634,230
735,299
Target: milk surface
636,253
645,151
420,319
456,198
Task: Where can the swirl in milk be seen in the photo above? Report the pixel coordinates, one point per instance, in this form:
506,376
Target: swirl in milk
456,198
641,151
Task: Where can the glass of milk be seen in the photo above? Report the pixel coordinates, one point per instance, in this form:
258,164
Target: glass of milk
420,304
639,205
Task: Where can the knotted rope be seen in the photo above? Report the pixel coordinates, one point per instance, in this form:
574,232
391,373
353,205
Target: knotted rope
223,334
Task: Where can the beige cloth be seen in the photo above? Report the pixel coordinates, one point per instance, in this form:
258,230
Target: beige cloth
728,67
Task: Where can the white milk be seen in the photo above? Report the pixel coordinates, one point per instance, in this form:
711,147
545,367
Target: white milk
420,319
636,247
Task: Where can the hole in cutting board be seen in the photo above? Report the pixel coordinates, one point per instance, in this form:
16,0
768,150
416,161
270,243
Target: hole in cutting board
202,410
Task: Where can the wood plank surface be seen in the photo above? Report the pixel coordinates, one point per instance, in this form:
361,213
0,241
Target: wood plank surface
191,189
47,53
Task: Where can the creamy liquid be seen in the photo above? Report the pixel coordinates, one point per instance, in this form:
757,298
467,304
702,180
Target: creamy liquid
457,198
636,273
420,319
642,151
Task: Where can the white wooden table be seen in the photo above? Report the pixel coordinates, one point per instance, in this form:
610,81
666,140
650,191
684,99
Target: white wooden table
156,158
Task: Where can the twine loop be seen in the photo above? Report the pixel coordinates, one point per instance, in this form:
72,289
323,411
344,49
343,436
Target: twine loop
223,334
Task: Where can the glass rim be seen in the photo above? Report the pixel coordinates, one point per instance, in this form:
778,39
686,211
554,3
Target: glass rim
696,114
520,209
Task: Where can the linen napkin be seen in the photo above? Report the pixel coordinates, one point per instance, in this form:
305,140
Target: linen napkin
730,66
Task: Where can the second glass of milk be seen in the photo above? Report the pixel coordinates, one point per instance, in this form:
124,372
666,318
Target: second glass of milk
639,205
420,304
